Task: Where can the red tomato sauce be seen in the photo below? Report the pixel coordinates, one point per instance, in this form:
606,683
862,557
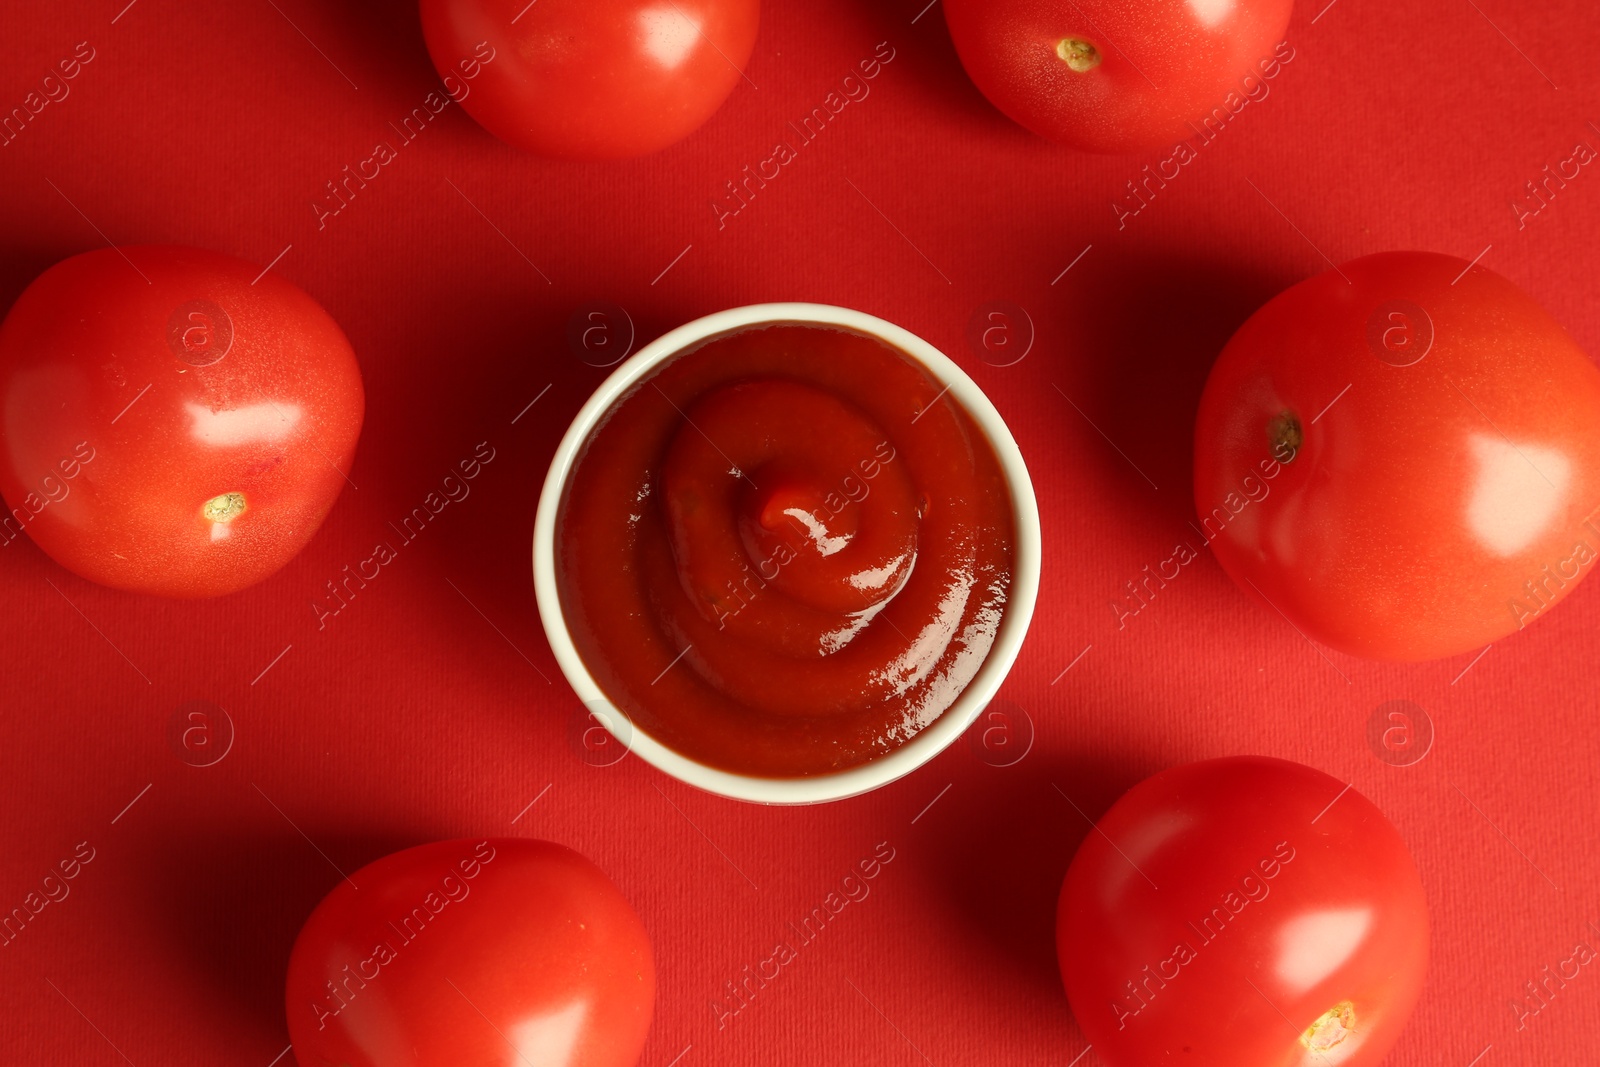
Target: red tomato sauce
785,552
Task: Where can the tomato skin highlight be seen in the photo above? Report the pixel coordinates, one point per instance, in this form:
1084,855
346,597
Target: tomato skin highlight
591,79
472,951
1445,489
1119,75
1234,913
174,422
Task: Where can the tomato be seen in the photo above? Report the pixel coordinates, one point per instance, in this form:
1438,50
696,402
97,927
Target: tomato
175,421
1120,75
1242,912
502,951
590,79
1402,456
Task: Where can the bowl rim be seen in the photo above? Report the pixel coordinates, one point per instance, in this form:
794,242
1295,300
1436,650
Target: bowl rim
929,742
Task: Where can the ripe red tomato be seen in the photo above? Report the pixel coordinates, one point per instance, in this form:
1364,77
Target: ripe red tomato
1118,75
591,79
502,951
1242,912
175,421
1402,458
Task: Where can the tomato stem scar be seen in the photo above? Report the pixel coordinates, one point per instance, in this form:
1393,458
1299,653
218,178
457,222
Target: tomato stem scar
224,508
1078,54
1284,436
1331,1027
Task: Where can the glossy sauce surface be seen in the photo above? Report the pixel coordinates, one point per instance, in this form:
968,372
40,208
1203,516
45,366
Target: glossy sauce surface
785,552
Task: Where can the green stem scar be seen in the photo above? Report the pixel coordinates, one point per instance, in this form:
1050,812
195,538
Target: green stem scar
1078,54
224,508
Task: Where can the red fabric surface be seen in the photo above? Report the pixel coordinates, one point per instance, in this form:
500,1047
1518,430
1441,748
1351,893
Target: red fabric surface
430,707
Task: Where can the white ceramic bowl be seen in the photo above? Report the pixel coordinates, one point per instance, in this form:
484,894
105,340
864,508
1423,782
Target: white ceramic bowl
925,745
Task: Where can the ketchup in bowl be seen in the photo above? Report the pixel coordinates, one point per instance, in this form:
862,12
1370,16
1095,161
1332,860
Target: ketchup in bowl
785,551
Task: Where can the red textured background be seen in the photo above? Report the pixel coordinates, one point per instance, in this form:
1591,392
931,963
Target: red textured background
431,708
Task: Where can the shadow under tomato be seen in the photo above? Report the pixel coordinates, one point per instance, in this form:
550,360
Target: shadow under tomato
389,38
1006,846
925,50
1157,327
20,266
519,398
230,907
